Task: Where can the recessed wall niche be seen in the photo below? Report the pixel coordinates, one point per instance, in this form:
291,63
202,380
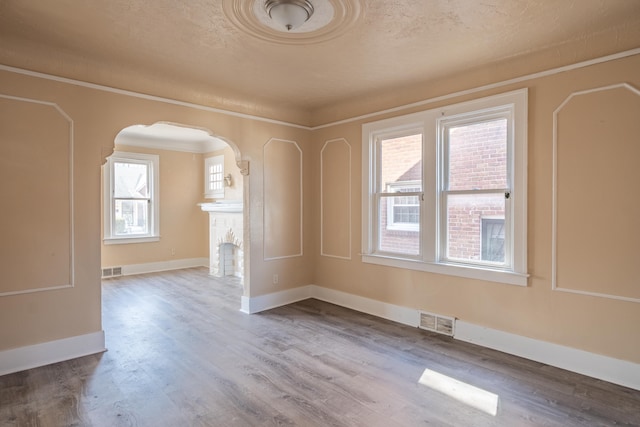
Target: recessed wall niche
282,199
35,189
596,214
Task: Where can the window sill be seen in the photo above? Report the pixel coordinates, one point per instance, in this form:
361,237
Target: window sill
129,240
490,275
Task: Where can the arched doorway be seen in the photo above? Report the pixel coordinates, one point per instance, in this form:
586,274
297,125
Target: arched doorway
170,219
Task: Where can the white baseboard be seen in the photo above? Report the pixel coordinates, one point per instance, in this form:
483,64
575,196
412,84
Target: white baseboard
396,313
594,365
583,362
252,305
33,356
174,264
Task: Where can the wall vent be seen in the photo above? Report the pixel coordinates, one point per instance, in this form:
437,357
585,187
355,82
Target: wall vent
111,272
437,323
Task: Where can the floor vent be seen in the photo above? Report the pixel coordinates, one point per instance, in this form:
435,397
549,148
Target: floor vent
437,323
111,272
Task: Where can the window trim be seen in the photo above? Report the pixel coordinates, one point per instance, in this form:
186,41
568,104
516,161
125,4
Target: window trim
153,162
428,121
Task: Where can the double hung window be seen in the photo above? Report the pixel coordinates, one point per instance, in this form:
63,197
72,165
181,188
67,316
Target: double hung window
131,198
445,190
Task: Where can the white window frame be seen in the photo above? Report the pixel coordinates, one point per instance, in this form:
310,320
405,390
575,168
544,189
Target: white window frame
153,165
210,177
431,123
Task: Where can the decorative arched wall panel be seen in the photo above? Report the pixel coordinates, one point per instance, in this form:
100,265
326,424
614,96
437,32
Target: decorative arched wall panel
36,140
282,199
335,199
596,226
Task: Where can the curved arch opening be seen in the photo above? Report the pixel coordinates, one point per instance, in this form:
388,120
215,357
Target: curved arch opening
185,214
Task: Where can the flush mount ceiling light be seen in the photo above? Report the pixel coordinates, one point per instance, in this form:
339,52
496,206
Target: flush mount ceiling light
321,21
289,14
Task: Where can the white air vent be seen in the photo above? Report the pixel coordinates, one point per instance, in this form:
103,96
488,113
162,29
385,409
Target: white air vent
437,323
111,272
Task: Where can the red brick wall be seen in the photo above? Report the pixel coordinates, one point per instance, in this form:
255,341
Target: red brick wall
477,159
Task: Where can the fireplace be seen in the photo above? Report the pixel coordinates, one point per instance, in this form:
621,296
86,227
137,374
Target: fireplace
226,253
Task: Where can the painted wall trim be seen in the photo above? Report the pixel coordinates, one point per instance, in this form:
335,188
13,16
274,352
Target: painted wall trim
252,305
153,267
301,195
145,96
34,356
583,362
554,194
516,80
348,184
406,316
72,269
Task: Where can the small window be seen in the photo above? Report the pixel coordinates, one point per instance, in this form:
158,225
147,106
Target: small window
131,198
214,177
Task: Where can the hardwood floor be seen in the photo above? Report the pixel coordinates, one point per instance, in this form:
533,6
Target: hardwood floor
181,354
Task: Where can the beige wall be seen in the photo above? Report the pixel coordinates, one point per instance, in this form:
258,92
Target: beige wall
97,116
183,225
598,184
596,324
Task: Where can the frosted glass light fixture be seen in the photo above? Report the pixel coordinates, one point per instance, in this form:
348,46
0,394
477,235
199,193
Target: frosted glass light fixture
289,14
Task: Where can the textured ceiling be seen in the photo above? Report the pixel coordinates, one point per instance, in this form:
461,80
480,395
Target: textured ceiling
191,50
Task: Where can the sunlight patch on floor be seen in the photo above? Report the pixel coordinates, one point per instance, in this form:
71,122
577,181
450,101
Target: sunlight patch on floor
472,396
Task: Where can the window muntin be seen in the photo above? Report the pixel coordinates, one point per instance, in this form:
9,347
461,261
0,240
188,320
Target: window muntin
214,177
131,202
498,123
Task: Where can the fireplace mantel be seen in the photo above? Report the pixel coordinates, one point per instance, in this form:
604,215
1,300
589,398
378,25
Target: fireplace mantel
232,206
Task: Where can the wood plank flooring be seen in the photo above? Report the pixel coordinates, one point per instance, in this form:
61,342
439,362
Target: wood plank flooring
182,354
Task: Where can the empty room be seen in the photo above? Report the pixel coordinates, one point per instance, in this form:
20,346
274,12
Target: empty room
319,213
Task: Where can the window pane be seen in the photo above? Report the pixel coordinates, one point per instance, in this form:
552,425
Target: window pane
401,160
399,230
131,217
478,156
493,239
130,180
466,238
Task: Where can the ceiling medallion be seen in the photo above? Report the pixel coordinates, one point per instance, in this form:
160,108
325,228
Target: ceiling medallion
314,21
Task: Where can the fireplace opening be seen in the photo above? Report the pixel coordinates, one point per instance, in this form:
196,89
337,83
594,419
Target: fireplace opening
229,260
